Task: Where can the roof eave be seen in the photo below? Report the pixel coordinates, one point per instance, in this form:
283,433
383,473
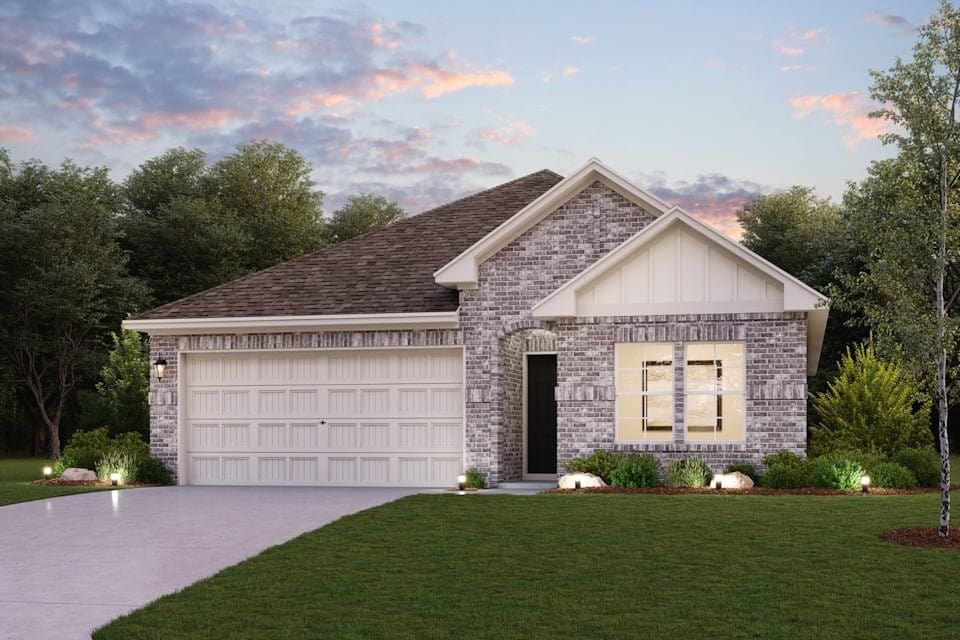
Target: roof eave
296,324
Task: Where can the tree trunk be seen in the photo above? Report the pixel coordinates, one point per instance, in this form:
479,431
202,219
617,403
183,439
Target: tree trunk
942,406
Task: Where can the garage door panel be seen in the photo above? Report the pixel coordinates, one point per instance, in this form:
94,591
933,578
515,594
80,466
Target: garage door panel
366,417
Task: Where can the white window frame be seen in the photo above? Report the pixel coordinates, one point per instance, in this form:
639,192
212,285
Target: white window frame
718,392
644,394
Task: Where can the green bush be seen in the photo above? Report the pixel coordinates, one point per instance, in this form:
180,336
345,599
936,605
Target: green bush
746,468
76,457
836,472
785,458
872,405
120,399
786,476
600,463
130,442
96,439
636,471
119,462
475,479
152,471
869,460
689,472
890,475
923,463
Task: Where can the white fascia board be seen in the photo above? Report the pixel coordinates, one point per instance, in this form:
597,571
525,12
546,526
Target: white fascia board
816,328
462,271
267,324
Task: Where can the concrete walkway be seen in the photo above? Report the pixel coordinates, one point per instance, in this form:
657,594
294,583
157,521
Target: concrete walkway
69,565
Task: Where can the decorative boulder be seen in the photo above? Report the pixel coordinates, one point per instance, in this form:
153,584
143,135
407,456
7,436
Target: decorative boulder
586,480
78,475
735,480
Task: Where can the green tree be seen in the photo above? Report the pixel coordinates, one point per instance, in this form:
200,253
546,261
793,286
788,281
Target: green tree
361,214
795,230
267,187
920,97
873,405
65,281
120,400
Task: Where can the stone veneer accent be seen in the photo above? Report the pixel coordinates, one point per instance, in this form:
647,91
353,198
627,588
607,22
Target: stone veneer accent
163,398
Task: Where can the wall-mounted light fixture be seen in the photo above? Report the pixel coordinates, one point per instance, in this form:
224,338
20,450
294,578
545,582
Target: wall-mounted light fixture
47,473
865,483
160,366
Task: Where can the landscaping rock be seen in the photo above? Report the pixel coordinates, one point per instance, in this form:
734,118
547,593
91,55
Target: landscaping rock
74,474
735,480
587,481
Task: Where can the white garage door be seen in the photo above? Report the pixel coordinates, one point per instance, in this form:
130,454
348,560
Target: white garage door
385,417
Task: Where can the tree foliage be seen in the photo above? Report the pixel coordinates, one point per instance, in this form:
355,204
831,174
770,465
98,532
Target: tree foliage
873,405
65,280
119,402
920,97
362,214
190,227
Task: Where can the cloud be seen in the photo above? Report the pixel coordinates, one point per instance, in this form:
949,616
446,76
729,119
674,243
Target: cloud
570,71
717,63
814,35
509,135
795,67
582,39
16,134
847,110
713,198
792,52
545,77
897,23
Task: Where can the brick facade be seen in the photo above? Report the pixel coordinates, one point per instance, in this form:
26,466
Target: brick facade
497,330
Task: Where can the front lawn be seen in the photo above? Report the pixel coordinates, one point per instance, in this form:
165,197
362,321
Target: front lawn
16,475
584,566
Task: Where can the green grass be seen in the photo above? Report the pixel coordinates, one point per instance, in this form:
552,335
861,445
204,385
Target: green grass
583,566
16,475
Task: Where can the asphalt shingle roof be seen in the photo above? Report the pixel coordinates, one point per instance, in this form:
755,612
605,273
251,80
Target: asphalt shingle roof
387,271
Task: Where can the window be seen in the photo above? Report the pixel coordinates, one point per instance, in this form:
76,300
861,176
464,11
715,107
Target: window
644,392
713,403
713,399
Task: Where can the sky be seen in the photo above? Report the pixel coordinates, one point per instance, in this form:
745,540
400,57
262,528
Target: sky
705,103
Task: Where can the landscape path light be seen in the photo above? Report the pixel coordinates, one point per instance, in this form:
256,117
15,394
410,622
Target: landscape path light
865,483
47,472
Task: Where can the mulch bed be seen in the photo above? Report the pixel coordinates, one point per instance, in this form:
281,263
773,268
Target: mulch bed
756,491
56,482
926,537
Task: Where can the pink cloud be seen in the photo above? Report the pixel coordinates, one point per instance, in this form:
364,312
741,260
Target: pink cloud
510,135
16,134
582,39
569,71
847,110
440,81
897,23
814,35
792,52
147,127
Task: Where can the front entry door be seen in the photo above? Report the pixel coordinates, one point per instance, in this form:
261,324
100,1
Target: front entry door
541,414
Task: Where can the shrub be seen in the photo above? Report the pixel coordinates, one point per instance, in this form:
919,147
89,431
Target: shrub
836,472
689,472
872,405
120,399
600,463
79,457
152,471
890,475
785,476
785,458
475,479
746,468
131,443
119,462
868,460
636,471
96,439
923,463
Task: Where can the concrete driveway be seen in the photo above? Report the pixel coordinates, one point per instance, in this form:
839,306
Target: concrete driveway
69,565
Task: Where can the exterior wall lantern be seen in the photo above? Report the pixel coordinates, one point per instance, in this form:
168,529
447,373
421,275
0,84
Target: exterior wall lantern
161,368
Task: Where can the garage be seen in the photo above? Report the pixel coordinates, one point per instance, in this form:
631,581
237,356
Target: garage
383,417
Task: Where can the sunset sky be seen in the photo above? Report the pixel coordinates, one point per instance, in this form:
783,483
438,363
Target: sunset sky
705,103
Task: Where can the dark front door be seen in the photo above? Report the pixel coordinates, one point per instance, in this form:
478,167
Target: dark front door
541,414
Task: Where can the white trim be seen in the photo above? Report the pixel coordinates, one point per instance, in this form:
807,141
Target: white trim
267,324
462,271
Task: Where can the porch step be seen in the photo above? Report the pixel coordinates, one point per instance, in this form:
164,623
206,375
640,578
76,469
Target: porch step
527,485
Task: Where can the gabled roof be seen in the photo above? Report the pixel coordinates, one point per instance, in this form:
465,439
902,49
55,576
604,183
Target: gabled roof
461,272
383,274
797,296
